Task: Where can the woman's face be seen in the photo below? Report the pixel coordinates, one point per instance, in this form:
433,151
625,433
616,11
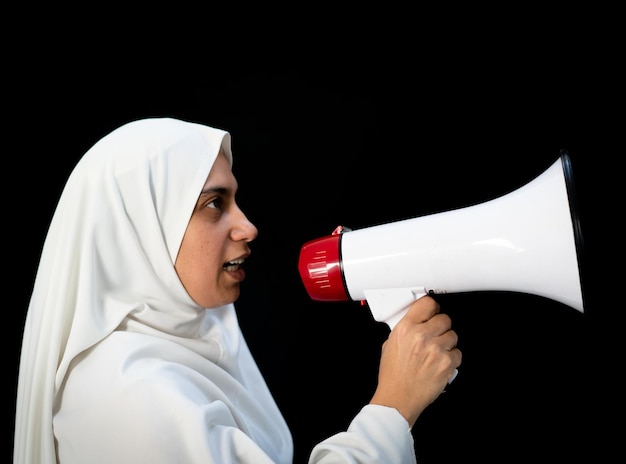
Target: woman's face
215,242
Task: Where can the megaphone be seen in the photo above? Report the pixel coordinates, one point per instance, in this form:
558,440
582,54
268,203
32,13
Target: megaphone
528,241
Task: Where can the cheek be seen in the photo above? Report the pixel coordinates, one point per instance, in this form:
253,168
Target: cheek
198,260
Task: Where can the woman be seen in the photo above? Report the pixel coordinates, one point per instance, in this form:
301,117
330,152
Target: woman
132,350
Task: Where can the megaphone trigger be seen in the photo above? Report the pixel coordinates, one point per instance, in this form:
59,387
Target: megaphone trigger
454,374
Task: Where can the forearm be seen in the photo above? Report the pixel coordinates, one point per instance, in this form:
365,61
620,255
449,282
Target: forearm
377,434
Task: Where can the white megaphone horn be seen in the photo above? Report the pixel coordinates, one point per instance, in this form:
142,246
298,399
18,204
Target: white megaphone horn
526,241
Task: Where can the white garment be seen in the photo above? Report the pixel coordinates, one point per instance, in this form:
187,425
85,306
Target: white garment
118,363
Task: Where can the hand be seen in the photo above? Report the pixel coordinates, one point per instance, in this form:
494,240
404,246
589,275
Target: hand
418,359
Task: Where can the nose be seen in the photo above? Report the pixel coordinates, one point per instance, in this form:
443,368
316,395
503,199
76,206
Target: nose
243,228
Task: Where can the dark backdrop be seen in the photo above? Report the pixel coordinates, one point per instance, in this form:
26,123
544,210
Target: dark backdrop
315,147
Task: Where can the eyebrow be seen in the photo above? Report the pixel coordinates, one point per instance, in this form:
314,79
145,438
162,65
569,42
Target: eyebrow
211,190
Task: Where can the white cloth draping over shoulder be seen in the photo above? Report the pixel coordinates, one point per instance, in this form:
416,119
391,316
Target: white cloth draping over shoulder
118,364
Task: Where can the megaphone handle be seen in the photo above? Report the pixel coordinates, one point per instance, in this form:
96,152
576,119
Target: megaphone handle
384,304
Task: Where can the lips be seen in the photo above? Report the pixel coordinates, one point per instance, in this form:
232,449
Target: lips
234,265
234,269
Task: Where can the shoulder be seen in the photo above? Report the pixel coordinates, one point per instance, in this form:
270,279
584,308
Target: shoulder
140,371
134,397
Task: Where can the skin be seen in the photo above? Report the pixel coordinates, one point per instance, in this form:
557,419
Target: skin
417,361
418,358
218,233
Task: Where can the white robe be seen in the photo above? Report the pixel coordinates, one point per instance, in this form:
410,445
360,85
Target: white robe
118,363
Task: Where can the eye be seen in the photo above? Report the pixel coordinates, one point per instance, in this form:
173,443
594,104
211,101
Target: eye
216,203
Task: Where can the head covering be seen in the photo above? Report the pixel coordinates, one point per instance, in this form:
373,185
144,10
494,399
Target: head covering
107,264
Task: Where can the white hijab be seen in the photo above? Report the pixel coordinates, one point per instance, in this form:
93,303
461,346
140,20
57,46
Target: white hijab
107,265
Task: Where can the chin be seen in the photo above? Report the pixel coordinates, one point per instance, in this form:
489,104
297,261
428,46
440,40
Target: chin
230,297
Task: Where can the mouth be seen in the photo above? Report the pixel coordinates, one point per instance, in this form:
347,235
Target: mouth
234,268
234,265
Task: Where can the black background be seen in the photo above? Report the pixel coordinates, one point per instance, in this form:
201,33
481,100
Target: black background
356,143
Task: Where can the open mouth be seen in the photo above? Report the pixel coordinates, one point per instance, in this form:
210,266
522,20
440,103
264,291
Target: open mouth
233,265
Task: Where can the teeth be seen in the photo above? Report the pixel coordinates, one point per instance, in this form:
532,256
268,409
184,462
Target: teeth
233,265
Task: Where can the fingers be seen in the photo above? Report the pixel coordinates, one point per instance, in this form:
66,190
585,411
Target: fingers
427,310
449,339
422,309
426,320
